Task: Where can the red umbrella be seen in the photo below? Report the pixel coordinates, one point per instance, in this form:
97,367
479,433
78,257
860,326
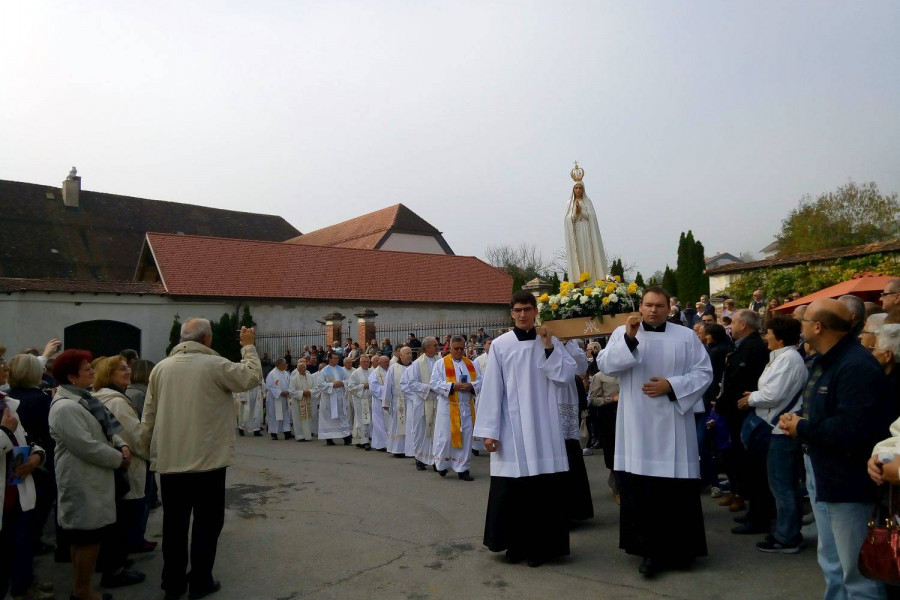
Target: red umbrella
867,286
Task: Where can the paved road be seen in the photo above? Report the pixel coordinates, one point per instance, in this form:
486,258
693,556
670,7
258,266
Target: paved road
309,521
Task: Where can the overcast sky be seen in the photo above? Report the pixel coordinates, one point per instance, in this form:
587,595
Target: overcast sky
711,116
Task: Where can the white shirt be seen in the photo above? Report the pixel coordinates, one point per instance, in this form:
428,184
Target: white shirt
782,379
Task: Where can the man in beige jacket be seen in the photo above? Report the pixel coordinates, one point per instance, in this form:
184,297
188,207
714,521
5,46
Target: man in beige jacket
188,424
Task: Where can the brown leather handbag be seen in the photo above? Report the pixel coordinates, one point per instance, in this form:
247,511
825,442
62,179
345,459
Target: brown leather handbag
879,557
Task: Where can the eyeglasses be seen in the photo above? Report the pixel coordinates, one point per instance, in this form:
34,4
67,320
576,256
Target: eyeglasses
526,309
886,294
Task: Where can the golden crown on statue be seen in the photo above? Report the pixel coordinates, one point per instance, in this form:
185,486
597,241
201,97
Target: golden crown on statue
577,173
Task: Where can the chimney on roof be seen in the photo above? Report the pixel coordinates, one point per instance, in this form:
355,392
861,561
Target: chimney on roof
71,187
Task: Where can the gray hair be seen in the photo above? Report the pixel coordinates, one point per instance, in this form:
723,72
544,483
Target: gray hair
429,340
855,305
25,371
750,318
195,330
458,338
874,322
888,338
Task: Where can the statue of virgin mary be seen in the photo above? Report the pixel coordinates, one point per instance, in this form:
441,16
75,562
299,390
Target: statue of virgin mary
584,248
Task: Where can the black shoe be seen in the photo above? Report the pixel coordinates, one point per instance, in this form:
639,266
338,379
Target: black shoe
257,434
399,455
288,435
122,578
107,597
174,595
536,562
241,432
420,466
742,518
515,557
303,440
381,450
434,468
348,440
475,452
367,447
748,528
196,594
466,477
442,473
649,567
329,442
275,436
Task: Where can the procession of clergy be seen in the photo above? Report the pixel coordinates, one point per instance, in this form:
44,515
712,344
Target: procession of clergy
422,408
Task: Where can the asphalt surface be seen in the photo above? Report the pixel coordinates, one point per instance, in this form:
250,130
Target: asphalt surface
308,521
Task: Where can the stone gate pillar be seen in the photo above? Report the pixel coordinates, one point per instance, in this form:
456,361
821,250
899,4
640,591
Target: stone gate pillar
365,327
333,323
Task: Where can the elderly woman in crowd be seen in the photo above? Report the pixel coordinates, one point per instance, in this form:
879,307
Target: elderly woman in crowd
25,378
16,532
88,452
111,381
887,353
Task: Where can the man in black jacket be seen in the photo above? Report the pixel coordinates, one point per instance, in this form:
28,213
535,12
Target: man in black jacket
847,409
742,370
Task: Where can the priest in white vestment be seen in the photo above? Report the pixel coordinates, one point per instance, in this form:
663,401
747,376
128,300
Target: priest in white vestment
302,392
358,388
250,410
416,385
663,370
584,247
456,380
334,412
277,413
395,400
578,489
518,419
376,386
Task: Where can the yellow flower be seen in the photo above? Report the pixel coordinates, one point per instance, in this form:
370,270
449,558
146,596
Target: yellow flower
606,300
584,277
565,287
554,306
632,288
588,291
610,288
598,283
617,278
544,298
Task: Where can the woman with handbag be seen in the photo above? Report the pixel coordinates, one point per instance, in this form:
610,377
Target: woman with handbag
88,452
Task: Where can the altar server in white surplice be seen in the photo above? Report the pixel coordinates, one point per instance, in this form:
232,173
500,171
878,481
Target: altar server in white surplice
250,410
358,388
518,419
482,361
663,370
334,412
456,380
416,384
302,392
277,413
395,400
376,386
578,489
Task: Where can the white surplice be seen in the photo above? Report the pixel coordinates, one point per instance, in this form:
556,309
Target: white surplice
362,404
567,396
301,407
250,408
418,389
655,436
376,387
482,360
278,416
334,412
445,454
394,399
516,406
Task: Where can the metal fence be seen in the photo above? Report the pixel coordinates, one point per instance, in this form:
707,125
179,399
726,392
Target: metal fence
277,342
399,332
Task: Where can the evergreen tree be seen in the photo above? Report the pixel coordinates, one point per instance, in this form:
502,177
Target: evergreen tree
174,334
246,318
639,280
669,282
652,281
690,271
225,337
616,268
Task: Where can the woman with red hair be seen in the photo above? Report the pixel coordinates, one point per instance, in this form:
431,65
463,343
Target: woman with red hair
88,451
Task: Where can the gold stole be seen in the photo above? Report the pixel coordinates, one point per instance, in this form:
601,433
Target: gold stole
304,402
455,419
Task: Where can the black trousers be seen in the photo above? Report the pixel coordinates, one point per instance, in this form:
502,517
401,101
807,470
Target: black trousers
202,494
114,548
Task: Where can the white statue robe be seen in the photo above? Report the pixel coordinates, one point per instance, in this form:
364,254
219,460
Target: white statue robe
657,437
517,408
376,387
417,388
362,404
584,247
250,408
334,412
302,406
277,414
445,455
394,399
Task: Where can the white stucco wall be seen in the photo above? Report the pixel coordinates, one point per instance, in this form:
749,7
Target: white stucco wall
717,283
32,318
407,242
